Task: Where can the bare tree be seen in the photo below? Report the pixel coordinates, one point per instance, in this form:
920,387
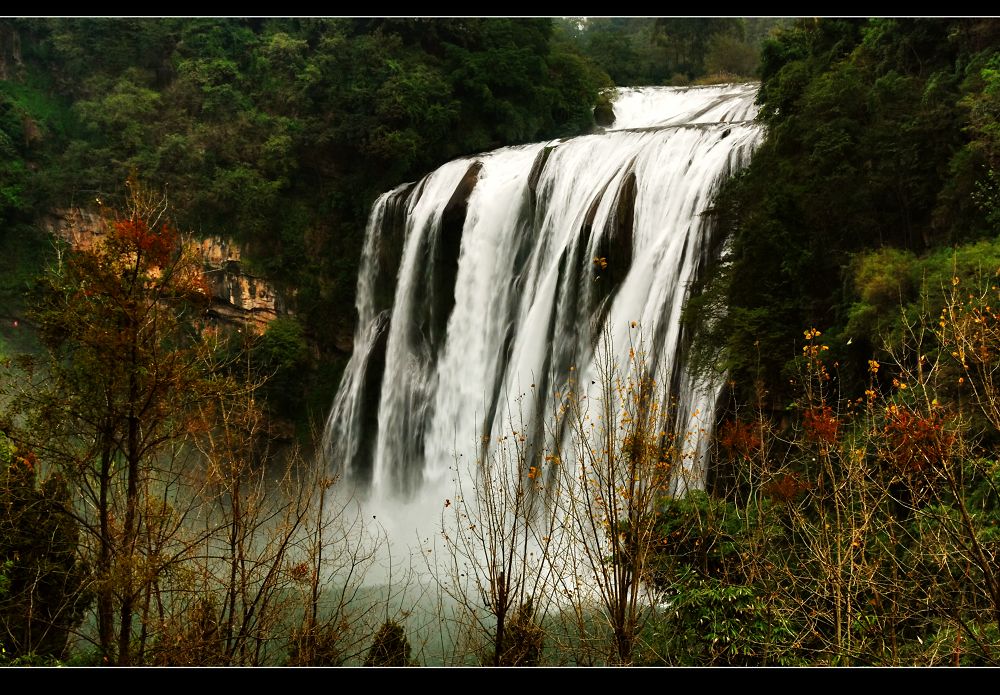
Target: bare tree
499,541
617,463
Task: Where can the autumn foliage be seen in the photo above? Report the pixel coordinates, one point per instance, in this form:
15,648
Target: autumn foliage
916,442
821,425
128,381
739,439
156,246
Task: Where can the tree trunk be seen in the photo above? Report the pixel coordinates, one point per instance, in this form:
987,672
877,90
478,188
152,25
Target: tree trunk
105,594
129,532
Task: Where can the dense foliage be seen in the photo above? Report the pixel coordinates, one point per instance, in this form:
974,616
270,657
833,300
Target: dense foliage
43,594
854,306
278,133
863,531
669,50
881,134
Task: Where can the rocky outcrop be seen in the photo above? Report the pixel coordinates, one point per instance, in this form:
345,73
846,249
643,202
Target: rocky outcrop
604,112
446,251
78,227
238,297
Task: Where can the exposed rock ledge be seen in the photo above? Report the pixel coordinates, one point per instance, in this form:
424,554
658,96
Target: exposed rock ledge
237,297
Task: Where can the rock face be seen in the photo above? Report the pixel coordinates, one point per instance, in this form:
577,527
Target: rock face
445,253
78,227
237,296
604,112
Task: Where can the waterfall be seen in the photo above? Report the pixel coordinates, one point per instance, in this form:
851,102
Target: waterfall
488,281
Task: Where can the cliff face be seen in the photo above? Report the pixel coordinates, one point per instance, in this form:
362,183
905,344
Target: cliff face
237,297
76,226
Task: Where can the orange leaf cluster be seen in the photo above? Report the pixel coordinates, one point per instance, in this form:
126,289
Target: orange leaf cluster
740,438
821,425
916,441
155,245
785,488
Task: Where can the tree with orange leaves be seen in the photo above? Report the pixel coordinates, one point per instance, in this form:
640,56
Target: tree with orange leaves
126,378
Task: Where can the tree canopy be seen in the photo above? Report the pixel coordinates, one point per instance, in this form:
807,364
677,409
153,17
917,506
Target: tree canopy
277,133
880,134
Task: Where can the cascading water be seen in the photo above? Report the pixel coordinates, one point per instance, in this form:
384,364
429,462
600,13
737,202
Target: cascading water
489,280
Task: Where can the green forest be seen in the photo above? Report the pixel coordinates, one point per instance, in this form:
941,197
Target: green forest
279,134
158,504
